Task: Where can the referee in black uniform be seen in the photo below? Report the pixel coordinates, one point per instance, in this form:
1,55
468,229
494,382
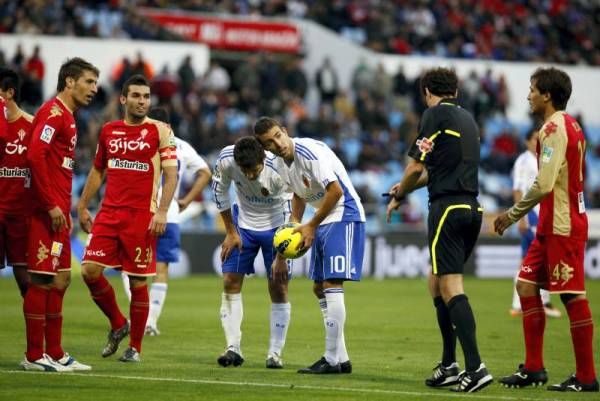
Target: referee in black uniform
445,157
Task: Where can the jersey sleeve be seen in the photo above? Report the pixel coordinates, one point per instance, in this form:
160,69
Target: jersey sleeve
167,147
553,148
221,179
44,133
423,146
318,163
100,160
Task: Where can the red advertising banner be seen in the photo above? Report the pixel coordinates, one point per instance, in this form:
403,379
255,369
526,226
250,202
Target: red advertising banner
232,34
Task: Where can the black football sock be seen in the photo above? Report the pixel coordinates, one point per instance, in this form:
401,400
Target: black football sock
464,324
447,331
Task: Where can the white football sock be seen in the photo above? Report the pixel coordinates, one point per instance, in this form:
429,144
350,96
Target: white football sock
126,285
516,303
232,312
545,297
280,321
158,293
334,324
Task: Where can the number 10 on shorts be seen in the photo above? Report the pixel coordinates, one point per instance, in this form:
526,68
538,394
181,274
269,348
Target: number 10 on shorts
337,264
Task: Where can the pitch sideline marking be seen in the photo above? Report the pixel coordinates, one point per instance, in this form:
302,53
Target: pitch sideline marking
289,386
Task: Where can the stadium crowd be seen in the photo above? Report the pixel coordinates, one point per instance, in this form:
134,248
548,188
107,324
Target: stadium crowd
370,124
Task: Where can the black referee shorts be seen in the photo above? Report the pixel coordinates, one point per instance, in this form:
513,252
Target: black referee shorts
453,227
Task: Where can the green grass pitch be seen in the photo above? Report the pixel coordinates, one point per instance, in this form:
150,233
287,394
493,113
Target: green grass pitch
391,333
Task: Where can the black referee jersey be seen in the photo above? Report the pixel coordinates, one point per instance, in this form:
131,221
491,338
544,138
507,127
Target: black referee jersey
448,144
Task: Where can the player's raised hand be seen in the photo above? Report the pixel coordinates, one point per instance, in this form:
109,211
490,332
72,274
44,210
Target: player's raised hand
59,221
279,269
307,232
232,240
85,220
158,225
501,223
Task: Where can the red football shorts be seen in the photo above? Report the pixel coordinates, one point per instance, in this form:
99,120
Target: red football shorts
13,239
48,251
555,263
121,237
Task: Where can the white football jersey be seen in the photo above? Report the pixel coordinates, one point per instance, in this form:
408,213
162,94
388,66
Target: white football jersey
263,204
524,172
188,161
315,165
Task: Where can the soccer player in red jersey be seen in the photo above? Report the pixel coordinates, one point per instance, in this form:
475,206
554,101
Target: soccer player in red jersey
3,120
15,180
555,258
51,156
131,153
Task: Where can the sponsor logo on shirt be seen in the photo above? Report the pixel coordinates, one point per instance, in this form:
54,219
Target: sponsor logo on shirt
122,145
15,172
15,148
314,197
42,253
47,133
55,111
128,165
68,163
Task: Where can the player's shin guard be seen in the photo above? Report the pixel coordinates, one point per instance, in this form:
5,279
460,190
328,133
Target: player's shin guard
280,320
582,332
138,313
464,321
34,309
447,331
54,320
534,323
104,296
334,324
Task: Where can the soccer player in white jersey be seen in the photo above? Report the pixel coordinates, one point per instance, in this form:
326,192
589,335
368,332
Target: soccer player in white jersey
336,232
168,245
263,205
524,172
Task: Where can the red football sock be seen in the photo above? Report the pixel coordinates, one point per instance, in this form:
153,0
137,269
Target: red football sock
138,312
54,320
34,309
582,332
534,323
104,296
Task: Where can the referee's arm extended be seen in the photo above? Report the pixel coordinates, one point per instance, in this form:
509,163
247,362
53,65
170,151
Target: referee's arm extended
415,176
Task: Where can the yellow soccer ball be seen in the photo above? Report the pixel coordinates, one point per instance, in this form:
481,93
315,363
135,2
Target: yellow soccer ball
286,242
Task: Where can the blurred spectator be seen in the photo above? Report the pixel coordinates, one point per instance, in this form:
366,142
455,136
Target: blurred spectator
326,79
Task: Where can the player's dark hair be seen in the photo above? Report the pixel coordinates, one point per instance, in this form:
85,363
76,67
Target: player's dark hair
9,79
74,68
440,82
248,152
555,82
160,114
136,79
264,125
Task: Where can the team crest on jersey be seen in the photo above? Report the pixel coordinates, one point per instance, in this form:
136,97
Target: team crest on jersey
22,134
143,133
42,253
47,134
425,145
264,191
550,128
305,181
55,111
